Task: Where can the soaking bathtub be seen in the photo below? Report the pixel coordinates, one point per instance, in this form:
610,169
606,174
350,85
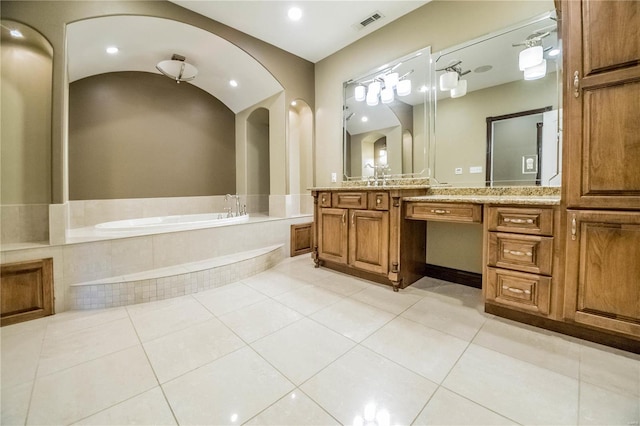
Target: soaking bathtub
169,223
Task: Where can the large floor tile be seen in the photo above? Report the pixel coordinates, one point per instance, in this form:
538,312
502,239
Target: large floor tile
383,297
179,352
306,271
230,390
295,409
71,321
428,352
149,408
152,322
599,406
308,299
19,355
537,346
515,389
363,379
352,319
302,349
448,408
273,283
229,298
259,320
78,392
63,351
448,315
342,284
14,403
611,369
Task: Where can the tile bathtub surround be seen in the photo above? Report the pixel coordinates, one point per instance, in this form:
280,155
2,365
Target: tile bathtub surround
24,223
267,350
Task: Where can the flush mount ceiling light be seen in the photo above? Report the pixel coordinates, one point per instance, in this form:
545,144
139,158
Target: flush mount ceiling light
383,87
295,13
177,69
16,34
112,50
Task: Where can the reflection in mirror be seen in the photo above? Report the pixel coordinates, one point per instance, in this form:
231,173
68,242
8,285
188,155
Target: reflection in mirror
482,87
386,120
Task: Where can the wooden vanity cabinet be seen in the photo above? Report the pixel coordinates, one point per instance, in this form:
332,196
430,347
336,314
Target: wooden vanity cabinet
520,257
601,180
361,232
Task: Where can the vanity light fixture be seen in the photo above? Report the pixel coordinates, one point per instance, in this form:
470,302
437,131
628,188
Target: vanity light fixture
460,90
450,80
554,52
536,72
177,69
376,91
531,60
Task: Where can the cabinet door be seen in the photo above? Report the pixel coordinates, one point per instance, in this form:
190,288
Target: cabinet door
601,101
332,238
369,240
603,270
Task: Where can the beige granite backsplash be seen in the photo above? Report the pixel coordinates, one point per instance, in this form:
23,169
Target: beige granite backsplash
389,182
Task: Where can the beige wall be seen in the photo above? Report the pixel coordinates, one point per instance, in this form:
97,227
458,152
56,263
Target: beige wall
461,132
439,24
26,124
141,135
294,74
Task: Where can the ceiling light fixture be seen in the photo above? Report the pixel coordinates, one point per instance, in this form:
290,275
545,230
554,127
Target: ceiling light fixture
233,83
16,34
177,69
112,50
381,88
531,60
295,13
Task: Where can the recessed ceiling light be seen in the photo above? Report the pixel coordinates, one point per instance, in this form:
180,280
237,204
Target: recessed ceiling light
112,50
483,68
364,119
294,103
16,34
424,89
233,83
554,52
295,13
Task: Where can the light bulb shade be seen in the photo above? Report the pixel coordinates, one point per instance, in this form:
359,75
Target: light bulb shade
390,80
360,93
177,70
374,88
404,87
372,98
448,80
530,57
536,72
386,96
460,90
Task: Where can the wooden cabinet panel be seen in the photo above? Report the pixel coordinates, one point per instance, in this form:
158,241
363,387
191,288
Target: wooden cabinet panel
333,237
523,291
603,270
324,199
349,200
537,221
521,252
378,201
622,46
27,290
301,239
444,212
369,240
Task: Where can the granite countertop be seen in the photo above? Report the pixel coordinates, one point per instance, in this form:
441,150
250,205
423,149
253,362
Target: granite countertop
546,200
368,188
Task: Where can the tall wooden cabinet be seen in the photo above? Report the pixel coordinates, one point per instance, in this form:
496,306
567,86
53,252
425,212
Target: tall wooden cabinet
602,164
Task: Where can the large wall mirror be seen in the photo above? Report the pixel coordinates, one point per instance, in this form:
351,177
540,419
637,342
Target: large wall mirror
498,109
387,119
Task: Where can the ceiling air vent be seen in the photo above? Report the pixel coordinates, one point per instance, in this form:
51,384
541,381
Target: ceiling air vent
369,20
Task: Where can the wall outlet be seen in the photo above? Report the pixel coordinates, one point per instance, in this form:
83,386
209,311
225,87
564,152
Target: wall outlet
476,169
334,177
458,170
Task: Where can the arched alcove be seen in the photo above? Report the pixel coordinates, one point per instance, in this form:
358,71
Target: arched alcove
26,86
258,170
301,156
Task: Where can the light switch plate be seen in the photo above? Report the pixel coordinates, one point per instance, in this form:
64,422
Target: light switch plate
334,177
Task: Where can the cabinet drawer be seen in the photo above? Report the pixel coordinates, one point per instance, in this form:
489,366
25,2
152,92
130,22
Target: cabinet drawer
444,212
378,201
528,253
524,220
349,200
324,199
516,289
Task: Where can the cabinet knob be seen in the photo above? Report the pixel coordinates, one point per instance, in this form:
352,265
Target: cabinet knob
324,200
378,200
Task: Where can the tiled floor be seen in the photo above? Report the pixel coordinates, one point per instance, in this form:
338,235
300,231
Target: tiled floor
297,345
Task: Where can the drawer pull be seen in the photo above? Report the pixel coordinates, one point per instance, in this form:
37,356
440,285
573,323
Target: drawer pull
378,200
507,220
324,200
344,215
440,211
518,253
515,290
